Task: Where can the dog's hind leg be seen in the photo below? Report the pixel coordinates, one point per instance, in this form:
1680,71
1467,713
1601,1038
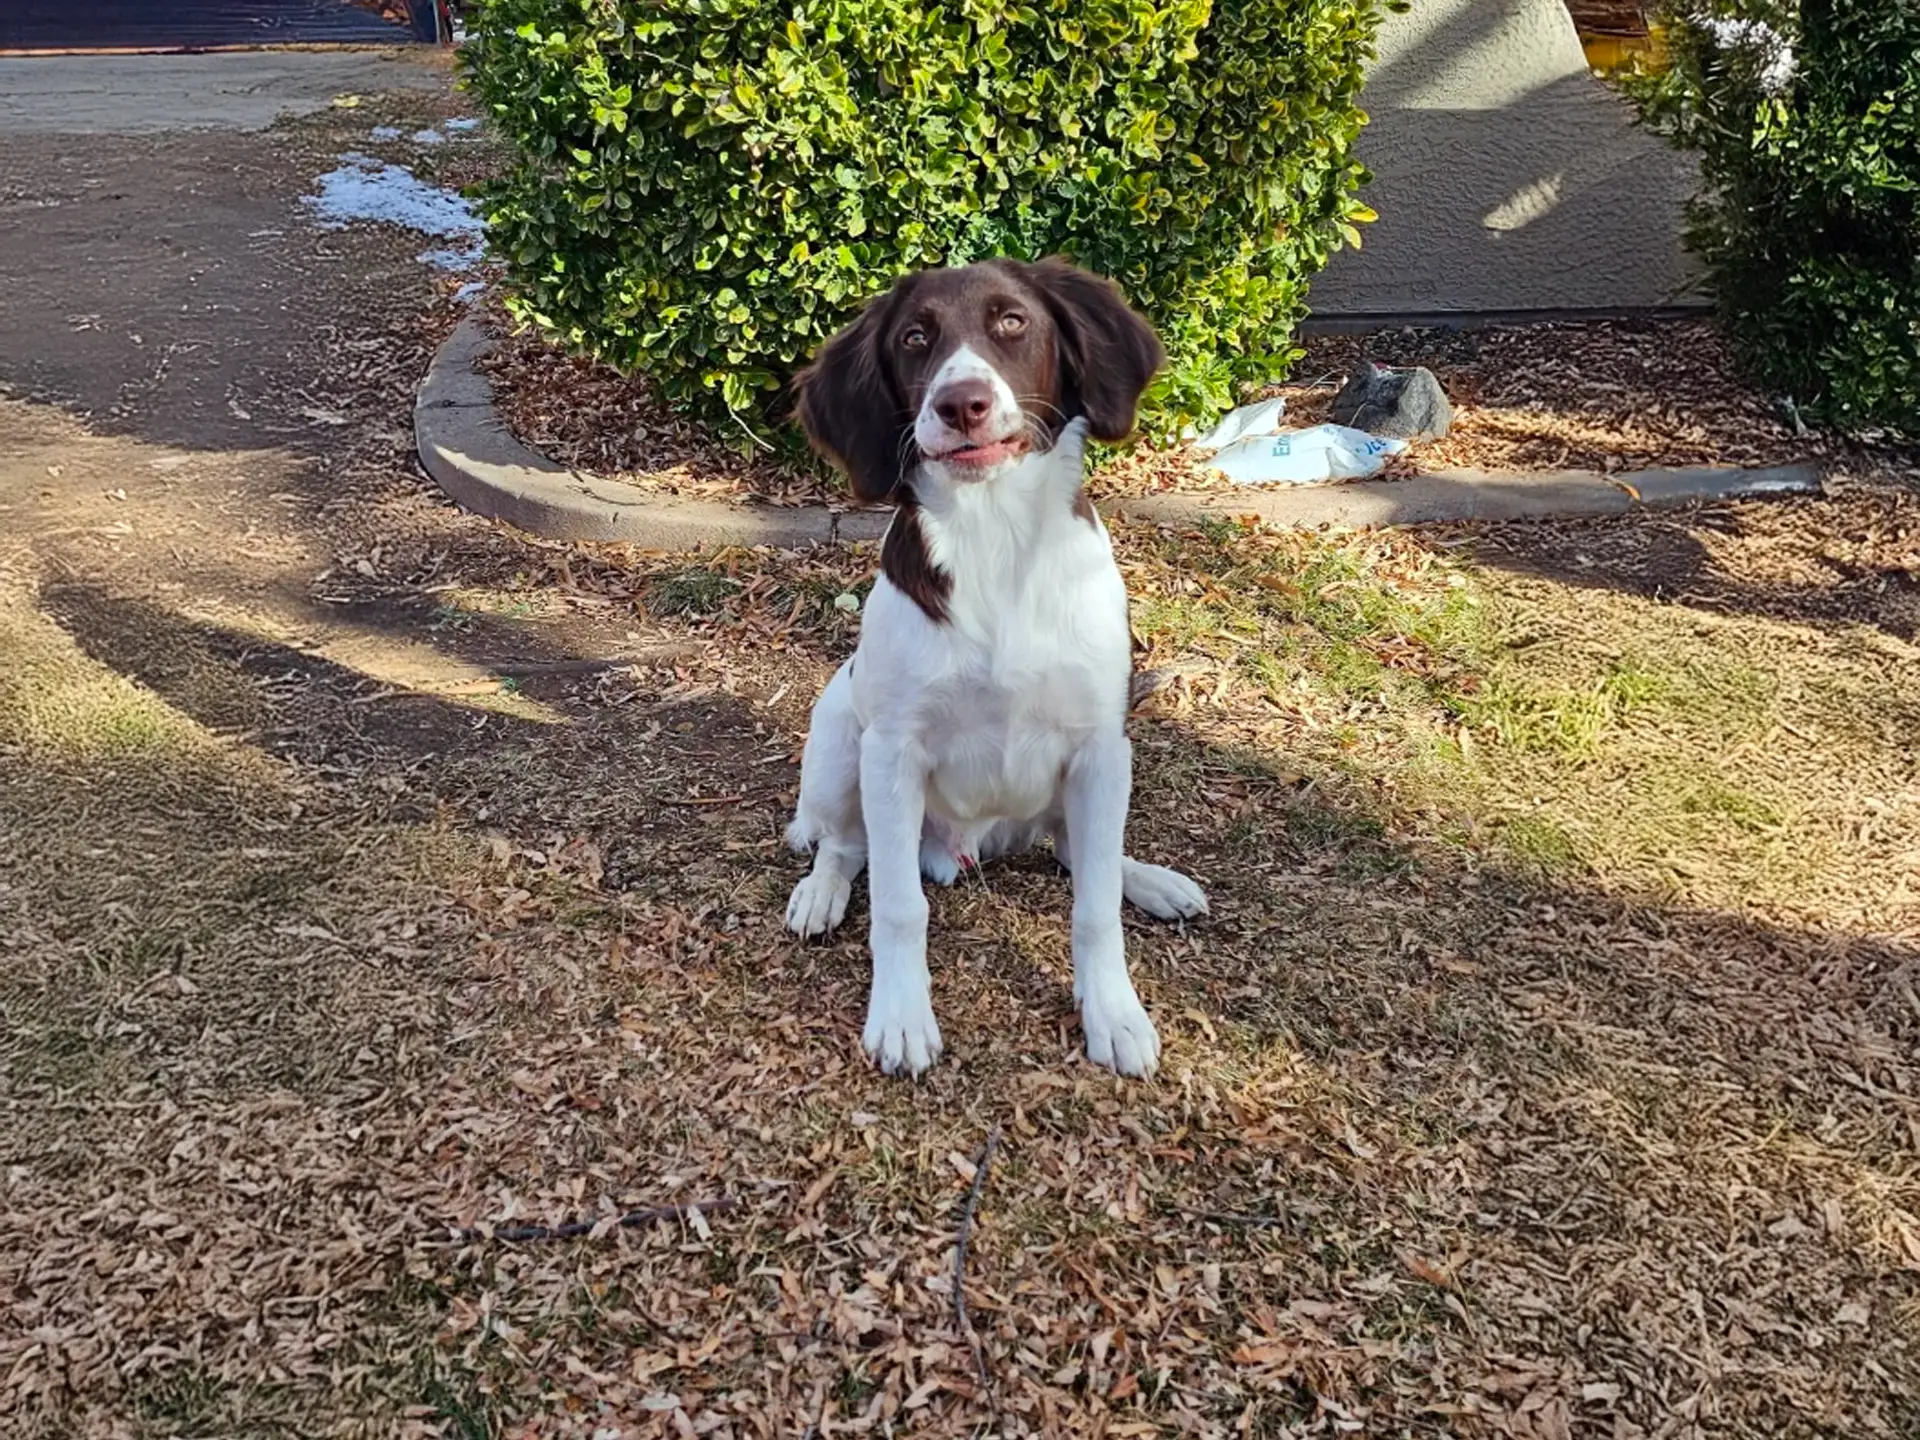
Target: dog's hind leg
827,820
1163,893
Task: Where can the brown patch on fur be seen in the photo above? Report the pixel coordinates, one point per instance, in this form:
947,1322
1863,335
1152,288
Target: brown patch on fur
1108,353
1083,508
908,564
851,408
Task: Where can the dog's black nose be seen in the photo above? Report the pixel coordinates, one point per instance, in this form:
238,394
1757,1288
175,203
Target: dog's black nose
963,405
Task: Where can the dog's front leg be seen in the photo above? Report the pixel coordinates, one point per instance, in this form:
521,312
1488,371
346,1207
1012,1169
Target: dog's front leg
901,1032
1099,784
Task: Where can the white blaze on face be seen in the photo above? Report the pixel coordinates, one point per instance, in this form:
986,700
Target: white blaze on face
1004,419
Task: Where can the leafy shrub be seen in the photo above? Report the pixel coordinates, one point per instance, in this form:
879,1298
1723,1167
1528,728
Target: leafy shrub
706,189
1807,120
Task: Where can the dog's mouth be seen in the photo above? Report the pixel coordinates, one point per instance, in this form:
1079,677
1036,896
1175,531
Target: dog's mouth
992,452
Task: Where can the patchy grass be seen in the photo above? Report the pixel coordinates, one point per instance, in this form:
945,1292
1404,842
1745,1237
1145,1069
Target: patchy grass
1545,1068
1646,748
55,706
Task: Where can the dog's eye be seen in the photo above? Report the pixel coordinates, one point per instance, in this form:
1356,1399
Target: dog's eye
914,339
1011,323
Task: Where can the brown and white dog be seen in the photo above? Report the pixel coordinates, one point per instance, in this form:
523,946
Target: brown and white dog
986,704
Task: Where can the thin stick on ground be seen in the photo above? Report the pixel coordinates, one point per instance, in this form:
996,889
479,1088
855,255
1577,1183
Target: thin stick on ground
589,664
980,1167
1235,1217
574,1229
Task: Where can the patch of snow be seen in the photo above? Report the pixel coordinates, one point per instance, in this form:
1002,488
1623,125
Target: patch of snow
363,188
465,294
451,257
386,132
427,137
464,123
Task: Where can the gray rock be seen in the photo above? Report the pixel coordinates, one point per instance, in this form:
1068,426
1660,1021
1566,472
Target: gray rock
1400,404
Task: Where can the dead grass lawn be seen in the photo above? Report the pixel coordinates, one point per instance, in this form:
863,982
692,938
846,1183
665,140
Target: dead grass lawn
1546,1069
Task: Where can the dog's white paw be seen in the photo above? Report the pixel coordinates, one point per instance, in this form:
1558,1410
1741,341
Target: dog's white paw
818,903
938,863
1119,1034
1163,893
901,1035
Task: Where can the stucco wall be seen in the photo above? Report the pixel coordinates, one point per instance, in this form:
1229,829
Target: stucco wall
1507,177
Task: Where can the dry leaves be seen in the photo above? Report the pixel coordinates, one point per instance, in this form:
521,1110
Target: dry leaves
1447,1142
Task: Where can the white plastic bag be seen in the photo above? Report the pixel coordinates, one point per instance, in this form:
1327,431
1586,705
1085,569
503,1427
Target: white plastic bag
1262,418
1305,457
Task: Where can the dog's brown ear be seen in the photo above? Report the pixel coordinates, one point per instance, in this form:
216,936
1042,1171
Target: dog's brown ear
850,407
1109,352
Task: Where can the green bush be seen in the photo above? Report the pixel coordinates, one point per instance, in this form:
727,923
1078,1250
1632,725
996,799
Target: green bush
1806,117
706,189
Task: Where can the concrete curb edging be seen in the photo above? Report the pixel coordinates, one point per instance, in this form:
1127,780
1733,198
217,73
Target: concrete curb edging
1453,495
465,447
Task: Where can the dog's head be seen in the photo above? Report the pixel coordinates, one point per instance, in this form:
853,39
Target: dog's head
972,368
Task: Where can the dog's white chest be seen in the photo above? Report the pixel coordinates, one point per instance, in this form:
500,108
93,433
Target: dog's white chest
1009,717
1026,660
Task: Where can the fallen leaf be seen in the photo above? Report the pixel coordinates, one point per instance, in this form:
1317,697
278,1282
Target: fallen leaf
1423,1269
648,1362
816,1190
1788,1227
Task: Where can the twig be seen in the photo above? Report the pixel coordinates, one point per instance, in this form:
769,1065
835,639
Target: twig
751,433
574,1229
960,1267
1234,1217
588,664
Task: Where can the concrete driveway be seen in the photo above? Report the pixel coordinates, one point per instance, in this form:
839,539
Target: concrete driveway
186,359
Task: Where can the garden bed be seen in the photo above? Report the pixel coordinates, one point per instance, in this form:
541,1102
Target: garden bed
1607,396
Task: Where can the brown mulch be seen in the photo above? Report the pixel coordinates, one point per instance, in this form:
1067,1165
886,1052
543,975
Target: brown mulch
1570,395
1611,17
589,416
1608,396
1855,561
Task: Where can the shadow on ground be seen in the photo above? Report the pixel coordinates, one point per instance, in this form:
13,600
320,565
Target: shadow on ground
1831,565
